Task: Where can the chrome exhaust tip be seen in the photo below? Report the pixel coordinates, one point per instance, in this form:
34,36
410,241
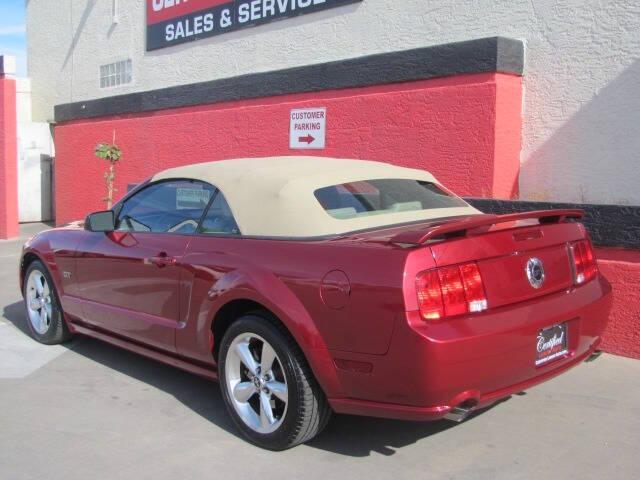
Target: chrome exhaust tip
458,414
594,356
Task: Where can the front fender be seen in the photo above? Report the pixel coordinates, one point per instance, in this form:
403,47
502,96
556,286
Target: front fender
40,248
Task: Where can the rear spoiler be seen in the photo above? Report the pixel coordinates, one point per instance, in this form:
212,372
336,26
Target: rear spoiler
481,223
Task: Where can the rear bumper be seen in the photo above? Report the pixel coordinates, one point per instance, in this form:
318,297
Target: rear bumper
408,412
431,368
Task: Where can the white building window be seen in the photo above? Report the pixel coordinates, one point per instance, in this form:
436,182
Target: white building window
115,74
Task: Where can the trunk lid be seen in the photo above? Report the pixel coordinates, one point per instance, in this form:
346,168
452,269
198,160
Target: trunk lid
505,247
506,280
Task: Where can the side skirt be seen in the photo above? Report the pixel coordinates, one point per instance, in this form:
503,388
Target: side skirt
203,371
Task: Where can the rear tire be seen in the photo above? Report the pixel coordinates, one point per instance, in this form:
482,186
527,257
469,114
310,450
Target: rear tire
267,385
45,318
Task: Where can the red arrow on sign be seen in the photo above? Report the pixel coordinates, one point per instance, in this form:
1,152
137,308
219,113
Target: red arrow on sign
308,139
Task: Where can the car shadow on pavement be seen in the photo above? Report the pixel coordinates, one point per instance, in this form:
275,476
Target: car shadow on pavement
199,394
16,314
345,435
356,436
360,436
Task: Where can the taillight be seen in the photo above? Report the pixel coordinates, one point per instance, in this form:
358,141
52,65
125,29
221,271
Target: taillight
455,303
473,287
450,291
584,261
430,295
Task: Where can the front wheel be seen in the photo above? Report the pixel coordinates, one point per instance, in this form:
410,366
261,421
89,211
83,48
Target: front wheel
267,385
44,315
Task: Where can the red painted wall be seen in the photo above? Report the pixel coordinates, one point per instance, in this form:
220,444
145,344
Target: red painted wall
507,138
8,159
622,269
449,126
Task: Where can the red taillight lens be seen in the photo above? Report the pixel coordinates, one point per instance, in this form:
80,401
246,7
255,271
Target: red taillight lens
584,261
452,287
450,291
430,295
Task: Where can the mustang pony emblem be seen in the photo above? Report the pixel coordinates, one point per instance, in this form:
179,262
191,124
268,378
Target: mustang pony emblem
535,272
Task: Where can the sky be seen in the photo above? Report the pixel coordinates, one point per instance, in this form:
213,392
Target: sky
12,33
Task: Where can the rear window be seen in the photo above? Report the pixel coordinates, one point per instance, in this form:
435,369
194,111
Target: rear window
375,197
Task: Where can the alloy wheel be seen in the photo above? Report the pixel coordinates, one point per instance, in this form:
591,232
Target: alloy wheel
256,383
39,302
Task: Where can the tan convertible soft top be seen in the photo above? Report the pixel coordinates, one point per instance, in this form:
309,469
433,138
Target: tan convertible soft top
274,196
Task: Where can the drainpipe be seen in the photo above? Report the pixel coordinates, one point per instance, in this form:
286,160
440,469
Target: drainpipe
114,12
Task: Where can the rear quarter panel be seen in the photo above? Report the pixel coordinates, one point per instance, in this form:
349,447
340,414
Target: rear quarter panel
285,276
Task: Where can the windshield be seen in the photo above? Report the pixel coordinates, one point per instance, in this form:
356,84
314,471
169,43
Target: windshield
375,197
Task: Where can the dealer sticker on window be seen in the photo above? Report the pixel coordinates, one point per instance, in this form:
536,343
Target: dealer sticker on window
551,344
192,198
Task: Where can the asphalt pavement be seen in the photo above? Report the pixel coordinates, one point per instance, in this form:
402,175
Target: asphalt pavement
87,410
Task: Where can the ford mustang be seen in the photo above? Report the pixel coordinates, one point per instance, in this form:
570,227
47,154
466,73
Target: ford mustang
311,285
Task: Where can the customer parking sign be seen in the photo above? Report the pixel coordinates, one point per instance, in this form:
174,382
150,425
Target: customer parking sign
307,128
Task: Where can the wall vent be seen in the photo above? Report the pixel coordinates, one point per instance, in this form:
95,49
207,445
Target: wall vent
116,74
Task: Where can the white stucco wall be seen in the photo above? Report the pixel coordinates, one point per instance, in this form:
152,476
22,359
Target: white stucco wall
581,128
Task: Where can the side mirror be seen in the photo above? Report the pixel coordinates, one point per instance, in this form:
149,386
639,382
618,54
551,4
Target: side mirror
100,222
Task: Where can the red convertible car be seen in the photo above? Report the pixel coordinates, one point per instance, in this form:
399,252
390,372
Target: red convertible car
314,285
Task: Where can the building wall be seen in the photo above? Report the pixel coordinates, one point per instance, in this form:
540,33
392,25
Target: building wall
448,126
622,269
8,158
580,134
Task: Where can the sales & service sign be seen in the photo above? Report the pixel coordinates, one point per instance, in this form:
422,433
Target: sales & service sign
171,22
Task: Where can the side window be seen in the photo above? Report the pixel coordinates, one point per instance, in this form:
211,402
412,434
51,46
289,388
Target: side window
219,219
166,207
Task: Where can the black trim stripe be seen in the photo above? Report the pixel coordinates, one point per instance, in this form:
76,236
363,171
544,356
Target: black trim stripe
608,225
495,54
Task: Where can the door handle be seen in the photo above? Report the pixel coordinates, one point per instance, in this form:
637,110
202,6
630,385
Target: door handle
161,260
